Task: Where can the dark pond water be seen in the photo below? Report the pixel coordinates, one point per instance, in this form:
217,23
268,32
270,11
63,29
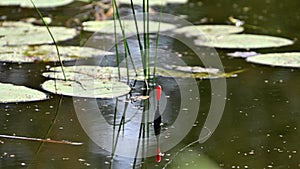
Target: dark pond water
259,127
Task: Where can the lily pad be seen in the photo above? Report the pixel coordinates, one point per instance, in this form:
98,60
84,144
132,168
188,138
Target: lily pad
20,33
289,59
107,26
244,41
97,72
38,3
14,93
208,30
47,53
154,2
90,88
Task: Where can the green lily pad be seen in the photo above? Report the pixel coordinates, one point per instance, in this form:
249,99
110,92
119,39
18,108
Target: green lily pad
38,3
19,33
107,26
208,30
154,2
14,93
47,53
244,41
111,73
90,88
289,59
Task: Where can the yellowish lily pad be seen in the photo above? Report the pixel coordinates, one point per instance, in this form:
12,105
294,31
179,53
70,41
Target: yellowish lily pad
208,30
20,33
47,53
111,73
90,88
15,93
38,3
244,41
107,26
288,59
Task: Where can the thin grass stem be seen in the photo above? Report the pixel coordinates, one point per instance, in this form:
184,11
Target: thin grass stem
116,38
156,45
136,27
52,37
116,11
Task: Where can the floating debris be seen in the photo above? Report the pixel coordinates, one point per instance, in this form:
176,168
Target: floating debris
242,54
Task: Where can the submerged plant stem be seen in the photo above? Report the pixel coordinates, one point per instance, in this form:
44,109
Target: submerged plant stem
40,140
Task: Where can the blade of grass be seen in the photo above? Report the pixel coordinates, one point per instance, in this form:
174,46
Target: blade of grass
137,28
156,45
116,11
52,37
116,38
126,58
148,41
144,56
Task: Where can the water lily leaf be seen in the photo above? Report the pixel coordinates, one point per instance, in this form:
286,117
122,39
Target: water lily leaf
200,75
111,73
244,41
15,93
85,72
289,59
107,26
91,88
19,33
208,30
47,53
38,3
242,54
154,2
15,24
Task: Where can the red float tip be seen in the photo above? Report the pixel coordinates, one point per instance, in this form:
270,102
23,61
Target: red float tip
158,156
158,92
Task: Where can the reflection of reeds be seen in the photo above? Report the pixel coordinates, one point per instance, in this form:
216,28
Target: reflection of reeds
120,125
144,48
145,60
49,129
